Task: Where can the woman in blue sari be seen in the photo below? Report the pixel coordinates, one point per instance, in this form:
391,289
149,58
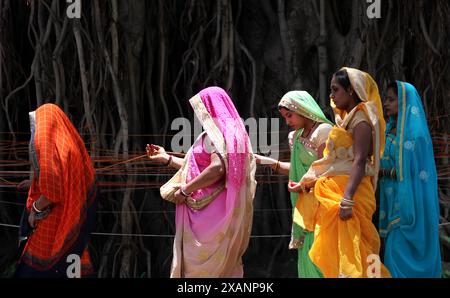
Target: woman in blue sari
409,205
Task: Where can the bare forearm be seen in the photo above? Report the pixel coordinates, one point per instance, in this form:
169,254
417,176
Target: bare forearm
176,162
42,203
209,176
356,174
362,145
282,168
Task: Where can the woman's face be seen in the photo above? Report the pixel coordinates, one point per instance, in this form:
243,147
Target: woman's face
293,120
339,95
390,103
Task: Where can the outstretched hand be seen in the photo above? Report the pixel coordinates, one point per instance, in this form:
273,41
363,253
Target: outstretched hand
24,185
157,153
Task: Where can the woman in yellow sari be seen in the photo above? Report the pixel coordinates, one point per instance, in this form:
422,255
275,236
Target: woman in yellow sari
341,186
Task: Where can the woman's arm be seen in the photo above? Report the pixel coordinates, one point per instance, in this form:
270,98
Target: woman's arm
39,210
213,173
24,185
298,187
175,162
276,165
320,151
159,154
362,143
42,203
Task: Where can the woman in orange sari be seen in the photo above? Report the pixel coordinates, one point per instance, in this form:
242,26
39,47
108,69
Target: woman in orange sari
340,197
60,209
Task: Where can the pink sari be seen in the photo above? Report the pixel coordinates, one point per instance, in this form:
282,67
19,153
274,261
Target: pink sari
210,242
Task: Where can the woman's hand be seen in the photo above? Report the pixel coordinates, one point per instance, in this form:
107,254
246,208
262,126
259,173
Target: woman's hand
157,153
263,160
34,217
346,209
24,185
179,198
345,214
296,187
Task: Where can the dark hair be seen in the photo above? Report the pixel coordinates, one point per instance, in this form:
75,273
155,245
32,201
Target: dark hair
393,85
342,78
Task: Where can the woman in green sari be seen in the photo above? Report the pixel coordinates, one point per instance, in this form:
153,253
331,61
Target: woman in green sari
306,142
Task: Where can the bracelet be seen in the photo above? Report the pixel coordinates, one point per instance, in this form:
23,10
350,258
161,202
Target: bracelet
36,209
277,166
393,173
345,207
348,202
168,161
184,193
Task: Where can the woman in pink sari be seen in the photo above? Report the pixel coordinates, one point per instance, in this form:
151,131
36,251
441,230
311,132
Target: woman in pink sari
215,196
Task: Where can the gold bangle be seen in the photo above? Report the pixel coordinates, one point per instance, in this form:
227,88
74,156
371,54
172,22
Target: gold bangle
277,166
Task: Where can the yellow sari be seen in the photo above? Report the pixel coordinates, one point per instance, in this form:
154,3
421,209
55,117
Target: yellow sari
345,248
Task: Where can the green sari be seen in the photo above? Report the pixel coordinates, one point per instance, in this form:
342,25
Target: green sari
303,104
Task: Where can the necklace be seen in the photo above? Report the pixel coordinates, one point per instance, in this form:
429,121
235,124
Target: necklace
309,131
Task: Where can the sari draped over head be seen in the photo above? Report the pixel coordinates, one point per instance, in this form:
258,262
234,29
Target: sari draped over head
63,174
210,242
409,204
303,153
346,248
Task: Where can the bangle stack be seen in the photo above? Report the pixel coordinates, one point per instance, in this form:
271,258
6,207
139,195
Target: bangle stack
348,203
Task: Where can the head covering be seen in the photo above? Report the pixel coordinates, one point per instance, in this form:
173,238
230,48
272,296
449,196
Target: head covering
411,125
302,103
367,90
224,126
409,217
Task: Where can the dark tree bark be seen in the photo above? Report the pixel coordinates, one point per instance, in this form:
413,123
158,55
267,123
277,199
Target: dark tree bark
127,68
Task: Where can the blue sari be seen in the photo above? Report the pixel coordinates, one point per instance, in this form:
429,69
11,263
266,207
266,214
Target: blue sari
409,204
